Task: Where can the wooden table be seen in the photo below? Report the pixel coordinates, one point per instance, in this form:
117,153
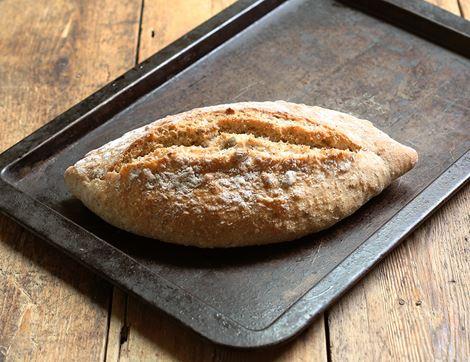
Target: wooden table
53,53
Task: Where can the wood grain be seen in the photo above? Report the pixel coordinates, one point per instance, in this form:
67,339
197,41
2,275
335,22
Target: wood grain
414,305
53,54
449,5
146,334
465,8
163,22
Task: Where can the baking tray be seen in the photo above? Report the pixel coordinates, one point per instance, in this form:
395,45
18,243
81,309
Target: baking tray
314,52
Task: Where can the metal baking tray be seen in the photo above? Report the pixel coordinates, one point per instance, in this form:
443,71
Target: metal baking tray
315,52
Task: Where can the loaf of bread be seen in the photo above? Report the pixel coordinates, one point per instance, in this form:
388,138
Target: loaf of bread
238,174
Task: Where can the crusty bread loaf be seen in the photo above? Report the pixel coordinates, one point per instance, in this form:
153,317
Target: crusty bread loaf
239,174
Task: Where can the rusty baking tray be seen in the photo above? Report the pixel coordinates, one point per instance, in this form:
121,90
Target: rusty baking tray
316,52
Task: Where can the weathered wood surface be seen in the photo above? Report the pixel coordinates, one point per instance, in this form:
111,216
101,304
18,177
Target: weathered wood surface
414,305
465,8
53,54
139,333
164,22
449,5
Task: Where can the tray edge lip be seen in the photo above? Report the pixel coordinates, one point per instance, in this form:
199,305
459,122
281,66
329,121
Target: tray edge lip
264,337
429,14
456,184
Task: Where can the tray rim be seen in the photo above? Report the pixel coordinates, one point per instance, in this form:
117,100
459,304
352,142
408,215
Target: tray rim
421,18
213,325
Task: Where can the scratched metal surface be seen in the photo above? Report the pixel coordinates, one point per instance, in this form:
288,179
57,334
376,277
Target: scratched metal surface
313,52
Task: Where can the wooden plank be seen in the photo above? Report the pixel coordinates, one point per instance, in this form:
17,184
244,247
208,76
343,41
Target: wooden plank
163,22
414,305
449,5
465,8
148,335
53,54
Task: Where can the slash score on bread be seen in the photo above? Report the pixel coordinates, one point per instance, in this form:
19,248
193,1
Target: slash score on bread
239,174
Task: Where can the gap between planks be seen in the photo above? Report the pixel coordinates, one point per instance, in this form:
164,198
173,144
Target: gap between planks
139,33
117,309
464,6
457,7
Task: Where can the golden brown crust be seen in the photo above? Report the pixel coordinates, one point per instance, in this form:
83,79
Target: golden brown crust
239,174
